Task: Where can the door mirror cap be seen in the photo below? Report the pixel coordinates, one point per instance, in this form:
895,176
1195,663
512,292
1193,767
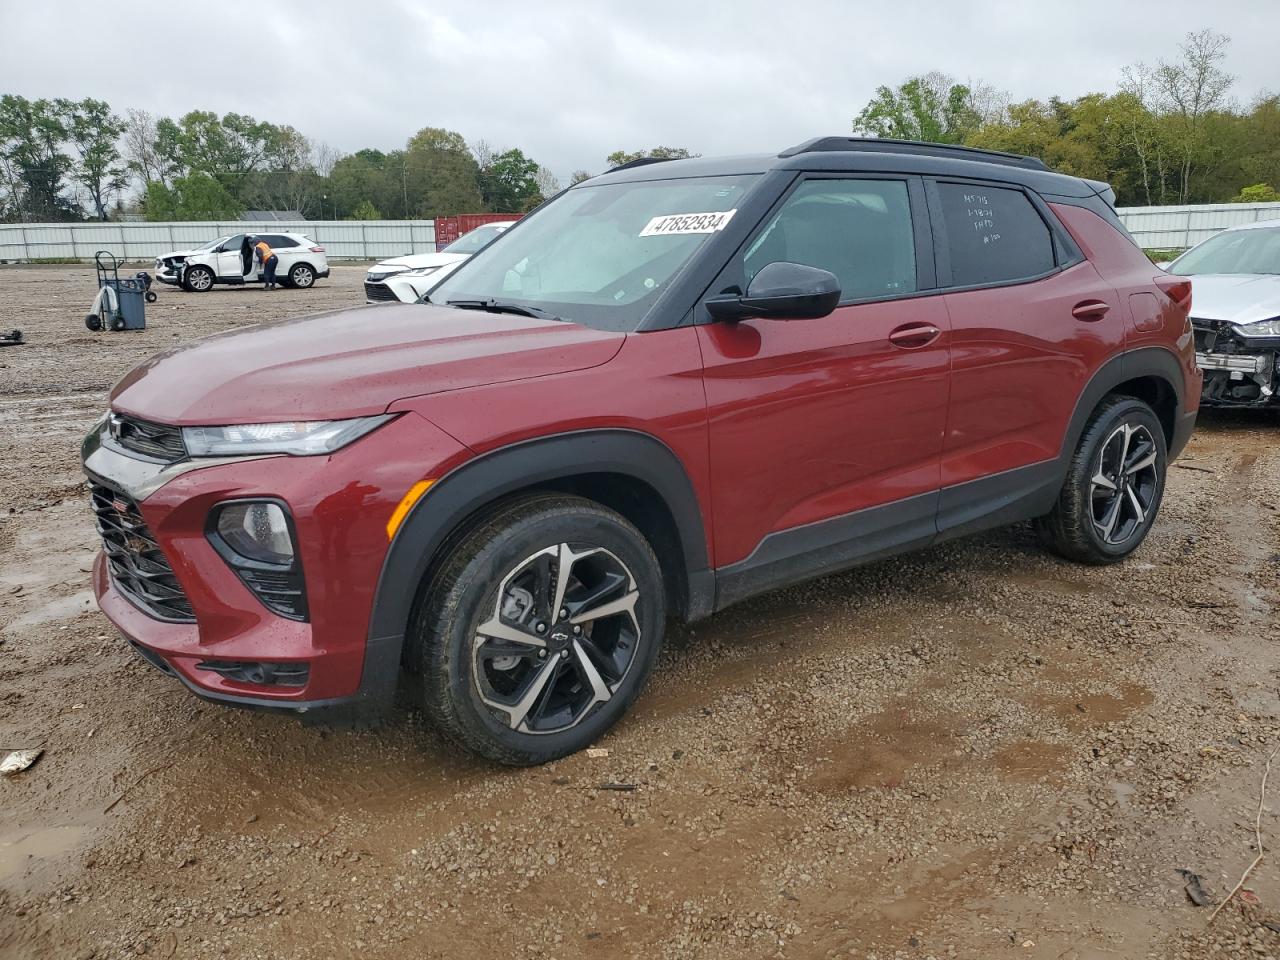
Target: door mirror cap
781,291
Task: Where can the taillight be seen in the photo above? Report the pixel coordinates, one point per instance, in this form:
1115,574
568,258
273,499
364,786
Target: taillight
317,249
1177,289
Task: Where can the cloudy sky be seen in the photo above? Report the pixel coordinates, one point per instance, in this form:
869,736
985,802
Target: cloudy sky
568,82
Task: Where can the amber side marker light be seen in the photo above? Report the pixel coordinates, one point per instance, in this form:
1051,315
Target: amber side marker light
405,505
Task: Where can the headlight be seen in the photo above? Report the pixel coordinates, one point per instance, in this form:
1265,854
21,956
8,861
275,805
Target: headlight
302,439
421,272
1263,328
375,275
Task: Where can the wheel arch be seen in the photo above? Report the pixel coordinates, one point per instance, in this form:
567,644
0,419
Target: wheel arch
1151,374
630,472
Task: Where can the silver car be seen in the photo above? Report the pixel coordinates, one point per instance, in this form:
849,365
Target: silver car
1235,310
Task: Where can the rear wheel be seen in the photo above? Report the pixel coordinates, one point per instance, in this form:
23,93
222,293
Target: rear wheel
539,629
1114,486
198,279
302,276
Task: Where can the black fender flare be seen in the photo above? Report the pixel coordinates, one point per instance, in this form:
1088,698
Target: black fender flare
491,476
1158,362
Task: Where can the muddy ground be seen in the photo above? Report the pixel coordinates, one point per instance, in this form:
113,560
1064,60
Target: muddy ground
976,751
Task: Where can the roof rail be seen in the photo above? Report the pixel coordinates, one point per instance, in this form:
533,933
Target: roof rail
639,162
917,147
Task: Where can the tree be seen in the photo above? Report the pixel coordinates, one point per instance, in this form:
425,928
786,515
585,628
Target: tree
197,196
548,182
1189,90
1257,193
509,183
146,154
32,134
440,175
619,157
93,131
365,211
930,107
578,176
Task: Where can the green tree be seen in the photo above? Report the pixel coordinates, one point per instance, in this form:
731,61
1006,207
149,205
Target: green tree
365,210
578,176
619,157
93,131
509,183
197,196
32,159
1257,193
930,107
373,176
441,177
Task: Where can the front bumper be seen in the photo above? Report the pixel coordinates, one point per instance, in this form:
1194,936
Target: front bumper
1238,371
340,505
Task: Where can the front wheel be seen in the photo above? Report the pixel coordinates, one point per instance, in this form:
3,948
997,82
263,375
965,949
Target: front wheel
198,279
539,629
1113,488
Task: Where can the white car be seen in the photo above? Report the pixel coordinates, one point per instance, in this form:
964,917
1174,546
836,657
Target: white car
1235,312
230,260
407,278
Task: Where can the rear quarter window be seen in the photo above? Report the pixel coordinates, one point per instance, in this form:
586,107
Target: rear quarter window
279,240
994,234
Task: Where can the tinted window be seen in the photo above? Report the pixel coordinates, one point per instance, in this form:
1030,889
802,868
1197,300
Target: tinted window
860,230
278,240
993,234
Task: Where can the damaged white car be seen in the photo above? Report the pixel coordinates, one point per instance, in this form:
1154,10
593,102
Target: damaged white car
1235,311
407,278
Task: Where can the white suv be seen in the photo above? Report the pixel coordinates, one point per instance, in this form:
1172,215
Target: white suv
407,278
230,260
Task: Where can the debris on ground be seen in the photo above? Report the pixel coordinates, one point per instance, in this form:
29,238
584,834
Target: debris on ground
15,761
1196,892
11,339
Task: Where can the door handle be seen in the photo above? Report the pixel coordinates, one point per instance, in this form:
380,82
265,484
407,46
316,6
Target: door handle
913,336
1090,311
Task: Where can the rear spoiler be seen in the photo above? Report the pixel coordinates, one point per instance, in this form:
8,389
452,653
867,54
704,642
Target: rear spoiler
1104,191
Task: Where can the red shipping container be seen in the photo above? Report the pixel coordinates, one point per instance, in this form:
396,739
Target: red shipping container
449,229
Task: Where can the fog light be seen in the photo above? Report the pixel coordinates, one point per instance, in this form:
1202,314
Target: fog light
258,531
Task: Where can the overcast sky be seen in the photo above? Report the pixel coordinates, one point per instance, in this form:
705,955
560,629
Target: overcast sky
569,82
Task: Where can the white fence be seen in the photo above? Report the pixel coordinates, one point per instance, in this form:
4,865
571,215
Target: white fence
1176,228
1155,228
342,239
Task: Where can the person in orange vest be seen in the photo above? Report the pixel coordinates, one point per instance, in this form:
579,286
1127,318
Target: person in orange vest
269,262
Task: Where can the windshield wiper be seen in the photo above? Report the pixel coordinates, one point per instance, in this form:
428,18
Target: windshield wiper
502,306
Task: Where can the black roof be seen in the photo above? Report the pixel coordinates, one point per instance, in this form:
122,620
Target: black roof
853,154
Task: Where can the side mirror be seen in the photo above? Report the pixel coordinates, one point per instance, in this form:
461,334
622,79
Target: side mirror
781,291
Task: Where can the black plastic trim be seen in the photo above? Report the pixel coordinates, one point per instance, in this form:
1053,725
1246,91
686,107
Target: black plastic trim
240,563
913,148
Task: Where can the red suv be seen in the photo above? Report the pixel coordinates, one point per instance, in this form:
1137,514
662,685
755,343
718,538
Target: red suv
671,387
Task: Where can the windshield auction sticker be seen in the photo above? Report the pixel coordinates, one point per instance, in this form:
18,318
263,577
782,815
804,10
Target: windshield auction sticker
675,223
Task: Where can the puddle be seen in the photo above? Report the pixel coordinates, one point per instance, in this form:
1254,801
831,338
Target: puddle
22,853
882,751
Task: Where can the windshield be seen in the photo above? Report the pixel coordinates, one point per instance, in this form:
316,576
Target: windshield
600,255
475,239
212,243
1237,251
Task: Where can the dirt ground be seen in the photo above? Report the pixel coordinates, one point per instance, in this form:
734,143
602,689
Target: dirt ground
975,751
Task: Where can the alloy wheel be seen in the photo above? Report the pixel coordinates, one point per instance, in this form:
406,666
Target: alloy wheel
1124,484
302,277
561,638
200,280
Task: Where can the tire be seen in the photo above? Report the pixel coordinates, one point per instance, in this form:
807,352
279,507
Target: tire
501,677
1101,518
93,322
150,296
301,276
198,279
117,324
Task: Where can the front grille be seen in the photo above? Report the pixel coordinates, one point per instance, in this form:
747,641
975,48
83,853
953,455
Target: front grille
138,566
157,440
378,291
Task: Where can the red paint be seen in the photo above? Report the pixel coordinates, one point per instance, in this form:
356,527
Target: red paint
777,424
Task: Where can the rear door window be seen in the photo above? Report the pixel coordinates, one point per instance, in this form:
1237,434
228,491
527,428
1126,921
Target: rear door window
993,234
278,240
860,230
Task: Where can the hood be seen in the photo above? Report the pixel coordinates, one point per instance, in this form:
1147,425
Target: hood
175,253
416,260
1236,298
351,363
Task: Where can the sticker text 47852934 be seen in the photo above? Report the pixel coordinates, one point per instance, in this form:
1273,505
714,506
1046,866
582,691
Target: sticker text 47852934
676,223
